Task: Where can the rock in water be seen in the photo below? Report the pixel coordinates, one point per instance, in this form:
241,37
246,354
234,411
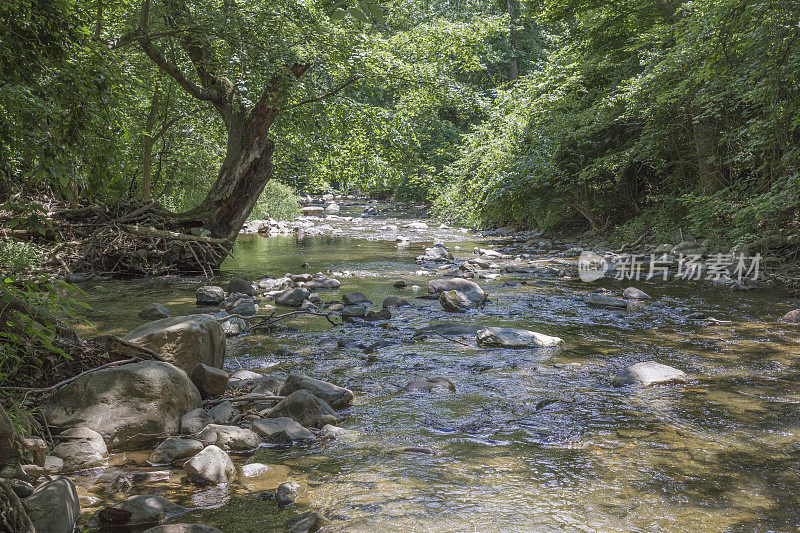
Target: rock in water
210,381
80,448
194,421
286,493
211,466
437,286
382,314
355,298
154,312
431,384
304,408
791,316
141,510
54,507
395,301
235,438
183,341
335,396
210,295
457,301
242,286
182,528
136,403
515,338
292,297
281,430
649,373
304,523
174,449
632,293
609,302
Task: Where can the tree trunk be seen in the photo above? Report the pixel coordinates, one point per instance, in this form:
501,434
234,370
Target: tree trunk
513,67
712,173
246,170
148,140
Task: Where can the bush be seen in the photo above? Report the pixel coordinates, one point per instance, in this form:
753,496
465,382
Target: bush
278,201
18,257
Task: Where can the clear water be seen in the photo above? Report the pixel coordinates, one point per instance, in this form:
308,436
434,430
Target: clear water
719,454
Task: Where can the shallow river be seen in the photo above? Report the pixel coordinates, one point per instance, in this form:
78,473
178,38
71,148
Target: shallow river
721,453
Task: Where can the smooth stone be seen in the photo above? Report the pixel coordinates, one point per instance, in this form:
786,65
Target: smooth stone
286,493
307,522
601,300
292,297
241,286
183,341
632,293
53,464
383,314
395,301
437,286
334,395
145,510
354,298
304,408
255,469
54,506
235,438
792,316
174,449
211,466
354,311
210,295
281,430
81,448
649,373
456,301
515,338
154,311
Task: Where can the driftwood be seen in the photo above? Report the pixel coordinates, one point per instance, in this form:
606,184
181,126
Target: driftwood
252,397
268,320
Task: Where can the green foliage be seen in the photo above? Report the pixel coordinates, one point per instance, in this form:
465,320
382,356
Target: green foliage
18,257
278,201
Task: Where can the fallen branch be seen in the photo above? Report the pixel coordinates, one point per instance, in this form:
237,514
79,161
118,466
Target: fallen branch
635,243
449,338
60,384
253,397
272,319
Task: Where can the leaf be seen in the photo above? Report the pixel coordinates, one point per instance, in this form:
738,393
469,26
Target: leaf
358,14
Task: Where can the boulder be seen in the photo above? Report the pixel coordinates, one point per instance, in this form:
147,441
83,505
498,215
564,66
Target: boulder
304,408
792,316
242,286
632,293
465,286
255,469
194,421
183,341
395,301
222,413
141,510
182,528
174,449
332,208
80,448
355,311
438,252
54,507
515,338
328,283
154,311
53,464
431,384
281,430
286,493
211,466
382,314
292,297
135,403
241,305
608,302
210,295
307,522
312,210
649,373
233,326
234,438
354,298
210,382
457,301
334,395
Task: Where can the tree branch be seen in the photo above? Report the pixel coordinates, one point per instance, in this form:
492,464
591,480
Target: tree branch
323,96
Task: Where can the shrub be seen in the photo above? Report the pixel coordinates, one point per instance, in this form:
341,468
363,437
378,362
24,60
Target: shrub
278,201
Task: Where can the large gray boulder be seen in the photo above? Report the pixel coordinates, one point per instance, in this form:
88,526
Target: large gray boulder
174,449
210,381
515,338
292,297
211,466
136,403
437,286
649,373
80,448
194,421
145,510
235,438
54,507
459,302
281,430
304,408
210,295
335,396
183,341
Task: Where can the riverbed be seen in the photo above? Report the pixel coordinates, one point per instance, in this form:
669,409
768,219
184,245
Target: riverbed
530,440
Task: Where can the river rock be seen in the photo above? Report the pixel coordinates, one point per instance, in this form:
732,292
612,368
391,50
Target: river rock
649,373
233,326
210,295
242,286
400,284
428,385
457,301
182,528
608,302
327,283
395,301
54,507
235,438
183,340
792,317
334,395
194,421
222,413
53,464
210,381
465,286
80,448
145,510
134,403
304,408
304,523
312,210
154,311
515,338
281,430
255,469
241,305
354,311
438,252
355,298
211,466
381,314
286,493
174,449
632,293
292,297
332,208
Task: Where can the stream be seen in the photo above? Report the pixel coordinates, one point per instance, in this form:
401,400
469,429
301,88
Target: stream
530,440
